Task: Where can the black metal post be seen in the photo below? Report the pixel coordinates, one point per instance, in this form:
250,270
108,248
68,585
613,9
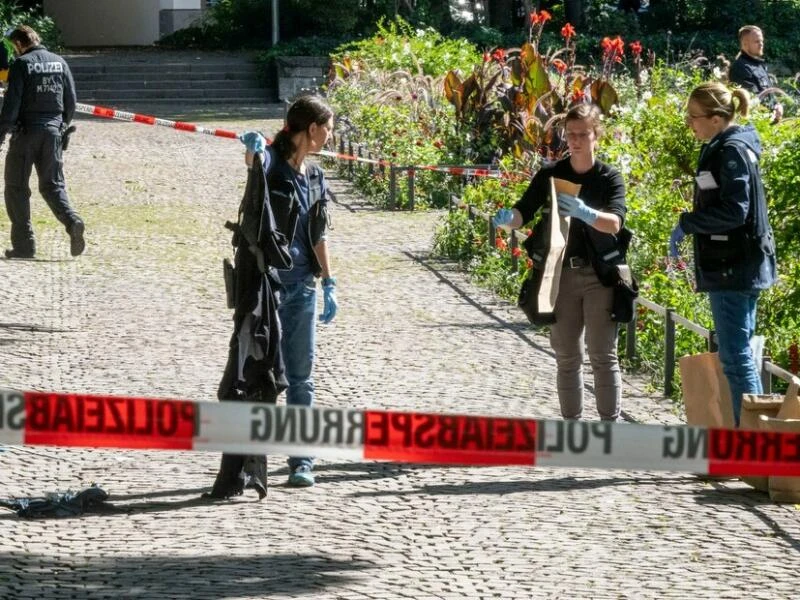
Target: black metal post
392,187
411,178
766,376
712,345
669,353
351,167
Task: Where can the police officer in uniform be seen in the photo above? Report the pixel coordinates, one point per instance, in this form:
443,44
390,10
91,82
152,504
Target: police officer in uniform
39,104
750,71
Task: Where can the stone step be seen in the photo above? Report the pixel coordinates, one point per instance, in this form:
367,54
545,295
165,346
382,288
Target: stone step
126,104
147,76
178,93
169,69
159,75
222,84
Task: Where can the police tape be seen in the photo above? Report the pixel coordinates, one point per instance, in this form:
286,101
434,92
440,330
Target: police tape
95,421
121,115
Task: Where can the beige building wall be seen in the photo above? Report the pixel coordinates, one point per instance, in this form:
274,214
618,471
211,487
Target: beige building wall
112,22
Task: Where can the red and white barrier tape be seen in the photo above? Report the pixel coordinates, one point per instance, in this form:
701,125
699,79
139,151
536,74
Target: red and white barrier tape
38,418
120,115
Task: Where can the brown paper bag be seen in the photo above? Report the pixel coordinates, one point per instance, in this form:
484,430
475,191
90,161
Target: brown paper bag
753,406
783,489
706,394
790,409
559,232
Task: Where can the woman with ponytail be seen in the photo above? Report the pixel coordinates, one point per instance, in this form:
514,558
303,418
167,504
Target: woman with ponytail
297,185
734,248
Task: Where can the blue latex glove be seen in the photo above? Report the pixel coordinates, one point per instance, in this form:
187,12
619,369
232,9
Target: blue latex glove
329,306
253,141
675,238
503,217
572,206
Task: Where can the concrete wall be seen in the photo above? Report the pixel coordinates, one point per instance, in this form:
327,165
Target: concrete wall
112,22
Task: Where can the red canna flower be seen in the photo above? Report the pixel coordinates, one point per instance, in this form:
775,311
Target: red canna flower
559,65
539,18
500,243
499,55
487,57
636,48
567,32
516,252
578,96
613,49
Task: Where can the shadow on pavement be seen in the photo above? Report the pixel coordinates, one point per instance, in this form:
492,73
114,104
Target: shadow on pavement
340,472
424,261
553,484
32,328
170,576
749,500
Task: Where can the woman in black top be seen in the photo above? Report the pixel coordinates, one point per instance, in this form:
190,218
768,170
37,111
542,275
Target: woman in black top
583,305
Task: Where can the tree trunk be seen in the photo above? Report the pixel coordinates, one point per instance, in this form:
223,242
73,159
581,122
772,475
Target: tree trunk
501,15
573,12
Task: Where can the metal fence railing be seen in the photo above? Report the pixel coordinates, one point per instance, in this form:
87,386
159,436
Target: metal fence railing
670,317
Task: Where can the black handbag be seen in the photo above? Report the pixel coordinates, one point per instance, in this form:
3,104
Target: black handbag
623,300
607,262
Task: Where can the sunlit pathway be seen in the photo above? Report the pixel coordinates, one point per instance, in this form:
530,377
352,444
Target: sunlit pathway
142,313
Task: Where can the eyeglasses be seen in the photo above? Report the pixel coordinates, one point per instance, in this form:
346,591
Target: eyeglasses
688,117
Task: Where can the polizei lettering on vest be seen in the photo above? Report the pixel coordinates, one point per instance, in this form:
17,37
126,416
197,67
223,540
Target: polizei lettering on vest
107,415
12,411
685,442
573,436
295,425
45,67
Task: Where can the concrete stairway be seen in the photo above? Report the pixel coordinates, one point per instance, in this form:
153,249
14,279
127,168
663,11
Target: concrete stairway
119,78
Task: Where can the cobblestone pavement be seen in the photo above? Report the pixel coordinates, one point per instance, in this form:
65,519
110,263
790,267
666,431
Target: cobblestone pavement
142,313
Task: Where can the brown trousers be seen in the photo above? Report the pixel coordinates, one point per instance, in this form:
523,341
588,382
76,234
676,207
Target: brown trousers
584,305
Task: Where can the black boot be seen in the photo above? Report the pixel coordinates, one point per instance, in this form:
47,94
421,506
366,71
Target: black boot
76,242
14,253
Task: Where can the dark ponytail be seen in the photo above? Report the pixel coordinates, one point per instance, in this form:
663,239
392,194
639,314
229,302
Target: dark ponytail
302,113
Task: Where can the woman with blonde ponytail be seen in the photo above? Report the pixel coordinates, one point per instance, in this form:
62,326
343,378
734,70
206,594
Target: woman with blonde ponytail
734,248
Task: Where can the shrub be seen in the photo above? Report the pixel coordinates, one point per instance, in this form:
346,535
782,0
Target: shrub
12,15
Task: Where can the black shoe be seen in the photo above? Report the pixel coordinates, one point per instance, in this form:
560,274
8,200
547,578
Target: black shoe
76,242
12,253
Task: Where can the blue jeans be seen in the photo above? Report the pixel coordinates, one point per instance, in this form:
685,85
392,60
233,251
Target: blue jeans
735,323
297,309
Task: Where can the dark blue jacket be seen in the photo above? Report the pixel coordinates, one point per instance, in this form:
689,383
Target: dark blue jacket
750,73
734,247
41,92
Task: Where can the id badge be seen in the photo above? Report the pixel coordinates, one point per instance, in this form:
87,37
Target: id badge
705,181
